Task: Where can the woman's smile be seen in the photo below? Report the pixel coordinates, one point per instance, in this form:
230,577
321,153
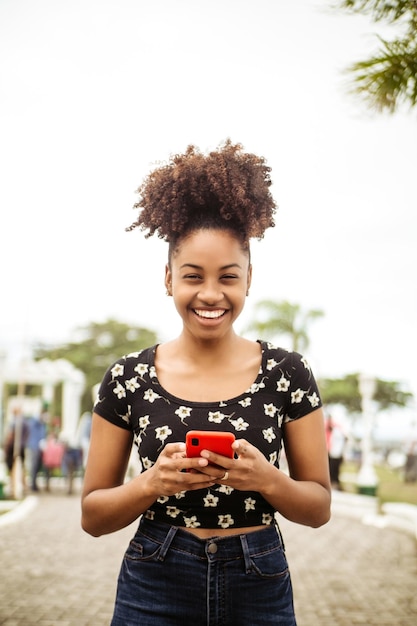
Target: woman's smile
210,314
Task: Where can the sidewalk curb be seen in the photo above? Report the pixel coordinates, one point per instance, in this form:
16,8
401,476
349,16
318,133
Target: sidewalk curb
398,515
402,516
18,510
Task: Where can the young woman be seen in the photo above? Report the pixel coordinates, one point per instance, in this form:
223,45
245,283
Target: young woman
208,549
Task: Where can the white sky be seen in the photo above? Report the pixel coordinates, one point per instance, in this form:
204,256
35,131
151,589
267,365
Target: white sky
94,92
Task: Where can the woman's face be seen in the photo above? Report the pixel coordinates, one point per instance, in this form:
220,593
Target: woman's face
209,277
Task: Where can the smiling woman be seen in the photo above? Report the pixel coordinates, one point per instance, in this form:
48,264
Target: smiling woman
209,519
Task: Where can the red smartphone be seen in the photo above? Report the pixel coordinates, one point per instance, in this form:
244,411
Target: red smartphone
216,441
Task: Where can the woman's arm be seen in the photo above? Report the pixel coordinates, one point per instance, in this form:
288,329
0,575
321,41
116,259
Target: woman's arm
109,503
305,495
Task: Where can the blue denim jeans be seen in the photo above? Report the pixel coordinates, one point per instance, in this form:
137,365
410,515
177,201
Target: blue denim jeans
169,577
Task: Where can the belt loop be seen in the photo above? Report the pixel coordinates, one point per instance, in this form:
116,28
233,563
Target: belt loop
281,538
167,542
246,556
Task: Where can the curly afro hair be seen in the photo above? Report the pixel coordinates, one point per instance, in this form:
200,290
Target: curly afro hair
226,189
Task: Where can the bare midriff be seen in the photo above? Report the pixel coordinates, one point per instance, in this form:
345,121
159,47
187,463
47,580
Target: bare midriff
206,533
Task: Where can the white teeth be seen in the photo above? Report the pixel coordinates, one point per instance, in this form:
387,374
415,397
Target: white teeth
209,314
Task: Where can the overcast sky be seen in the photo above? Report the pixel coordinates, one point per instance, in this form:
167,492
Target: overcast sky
94,92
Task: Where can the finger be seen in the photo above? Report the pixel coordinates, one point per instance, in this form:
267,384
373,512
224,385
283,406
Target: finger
216,459
178,446
192,464
240,446
195,479
213,472
174,449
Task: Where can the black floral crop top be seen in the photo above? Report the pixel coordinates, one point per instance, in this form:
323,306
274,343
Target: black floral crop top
131,397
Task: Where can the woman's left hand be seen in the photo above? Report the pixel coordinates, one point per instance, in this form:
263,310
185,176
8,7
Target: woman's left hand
246,472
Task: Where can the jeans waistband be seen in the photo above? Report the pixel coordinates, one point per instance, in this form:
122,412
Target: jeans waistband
216,547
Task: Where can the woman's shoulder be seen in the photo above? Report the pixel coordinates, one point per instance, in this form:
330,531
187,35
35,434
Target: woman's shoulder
275,357
274,352
140,361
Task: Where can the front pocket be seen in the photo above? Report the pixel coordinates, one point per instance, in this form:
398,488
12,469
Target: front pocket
271,564
141,548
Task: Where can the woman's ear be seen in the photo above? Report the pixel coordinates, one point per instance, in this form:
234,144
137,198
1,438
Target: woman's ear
249,280
168,280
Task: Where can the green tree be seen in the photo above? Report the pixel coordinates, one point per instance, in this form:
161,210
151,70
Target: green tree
98,345
389,77
283,318
345,391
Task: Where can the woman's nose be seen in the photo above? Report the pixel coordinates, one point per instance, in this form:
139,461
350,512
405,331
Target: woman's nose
210,292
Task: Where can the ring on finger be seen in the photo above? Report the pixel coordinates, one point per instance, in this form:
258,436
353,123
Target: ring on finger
225,477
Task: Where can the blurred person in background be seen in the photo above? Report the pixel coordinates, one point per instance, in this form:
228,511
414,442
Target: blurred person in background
37,434
14,449
336,444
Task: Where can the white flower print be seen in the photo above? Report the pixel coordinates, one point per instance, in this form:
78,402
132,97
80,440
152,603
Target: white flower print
270,364
172,511
150,395
147,462
267,519
180,494
250,504
162,499
314,400
152,371
245,402
273,457
150,514
183,412
144,422
283,384
270,410
269,434
119,390
217,417
141,369
162,432
225,521
210,500
191,522
225,489
117,370
256,387
305,363
132,355
297,396
126,416
132,384
239,424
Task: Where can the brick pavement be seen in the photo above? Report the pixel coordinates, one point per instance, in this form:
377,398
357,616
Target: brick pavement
345,573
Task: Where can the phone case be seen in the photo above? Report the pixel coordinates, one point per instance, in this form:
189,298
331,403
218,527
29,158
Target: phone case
216,441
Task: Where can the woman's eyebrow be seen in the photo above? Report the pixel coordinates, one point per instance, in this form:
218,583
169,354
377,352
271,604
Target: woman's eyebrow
199,267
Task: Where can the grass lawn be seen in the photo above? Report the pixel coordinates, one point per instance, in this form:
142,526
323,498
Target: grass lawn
391,486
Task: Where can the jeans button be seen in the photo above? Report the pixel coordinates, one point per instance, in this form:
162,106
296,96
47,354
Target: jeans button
212,548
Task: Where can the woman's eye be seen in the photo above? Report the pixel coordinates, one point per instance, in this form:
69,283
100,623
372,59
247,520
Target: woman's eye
229,276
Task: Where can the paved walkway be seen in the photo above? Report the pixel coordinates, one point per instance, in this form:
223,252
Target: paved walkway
345,573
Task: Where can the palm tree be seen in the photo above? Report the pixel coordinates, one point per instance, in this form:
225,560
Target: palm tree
389,77
283,318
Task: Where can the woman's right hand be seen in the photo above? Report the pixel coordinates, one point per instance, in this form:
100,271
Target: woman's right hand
173,472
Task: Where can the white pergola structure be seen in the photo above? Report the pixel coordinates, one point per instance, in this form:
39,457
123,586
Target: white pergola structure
47,374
